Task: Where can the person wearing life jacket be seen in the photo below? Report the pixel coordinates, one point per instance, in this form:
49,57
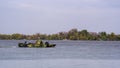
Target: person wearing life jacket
39,43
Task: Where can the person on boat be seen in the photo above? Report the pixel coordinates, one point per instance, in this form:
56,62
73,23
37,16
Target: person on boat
47,44
39,43
25,43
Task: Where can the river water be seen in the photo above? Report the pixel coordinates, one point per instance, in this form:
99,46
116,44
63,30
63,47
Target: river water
66,54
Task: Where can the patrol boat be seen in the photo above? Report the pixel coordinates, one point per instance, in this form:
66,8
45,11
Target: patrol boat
37,44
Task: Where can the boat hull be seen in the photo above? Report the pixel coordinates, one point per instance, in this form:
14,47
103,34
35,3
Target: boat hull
32,45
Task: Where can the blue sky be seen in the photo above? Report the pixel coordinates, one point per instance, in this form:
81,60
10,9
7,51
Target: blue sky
53,16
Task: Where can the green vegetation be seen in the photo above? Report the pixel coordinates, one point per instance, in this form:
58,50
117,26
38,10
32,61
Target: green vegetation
73,34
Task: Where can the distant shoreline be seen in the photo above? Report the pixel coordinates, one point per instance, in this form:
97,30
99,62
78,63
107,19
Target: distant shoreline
72,34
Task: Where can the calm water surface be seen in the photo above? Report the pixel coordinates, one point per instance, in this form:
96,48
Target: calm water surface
64,50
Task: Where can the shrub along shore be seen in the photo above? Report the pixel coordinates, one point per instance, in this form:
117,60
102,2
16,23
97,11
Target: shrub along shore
72,34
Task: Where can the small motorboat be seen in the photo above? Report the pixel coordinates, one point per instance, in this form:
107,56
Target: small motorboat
37,44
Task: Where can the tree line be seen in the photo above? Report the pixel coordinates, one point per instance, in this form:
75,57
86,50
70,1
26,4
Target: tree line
72,34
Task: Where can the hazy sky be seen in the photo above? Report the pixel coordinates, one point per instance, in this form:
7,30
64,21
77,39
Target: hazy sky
52,16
